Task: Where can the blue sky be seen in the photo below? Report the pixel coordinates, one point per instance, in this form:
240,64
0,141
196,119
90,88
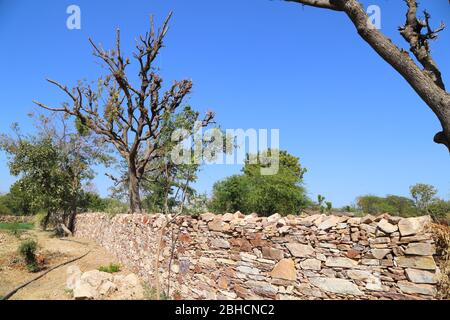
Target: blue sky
353,121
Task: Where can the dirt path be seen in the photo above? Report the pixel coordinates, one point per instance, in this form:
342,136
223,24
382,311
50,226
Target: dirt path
55,251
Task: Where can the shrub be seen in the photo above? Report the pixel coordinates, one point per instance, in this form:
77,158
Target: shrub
112,268
27,249
442,239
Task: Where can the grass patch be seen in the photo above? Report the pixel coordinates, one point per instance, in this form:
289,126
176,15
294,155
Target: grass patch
112,268
150,293
27,249
16,226
442,239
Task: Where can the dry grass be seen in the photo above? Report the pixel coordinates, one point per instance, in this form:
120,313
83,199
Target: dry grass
442,238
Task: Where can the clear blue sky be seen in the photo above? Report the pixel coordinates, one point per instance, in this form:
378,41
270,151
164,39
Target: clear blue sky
353,121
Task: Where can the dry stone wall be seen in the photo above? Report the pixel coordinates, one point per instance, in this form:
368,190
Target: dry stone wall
233,256
15,219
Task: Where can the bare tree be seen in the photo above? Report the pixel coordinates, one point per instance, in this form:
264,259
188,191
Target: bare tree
424,75
131,118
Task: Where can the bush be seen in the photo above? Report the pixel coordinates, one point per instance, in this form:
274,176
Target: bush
252,191
112,268
27,249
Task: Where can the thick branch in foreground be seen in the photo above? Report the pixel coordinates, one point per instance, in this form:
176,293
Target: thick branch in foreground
426,79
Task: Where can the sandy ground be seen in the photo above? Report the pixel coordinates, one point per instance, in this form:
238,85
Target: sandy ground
55,251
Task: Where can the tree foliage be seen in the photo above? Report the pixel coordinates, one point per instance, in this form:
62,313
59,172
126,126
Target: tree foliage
265,194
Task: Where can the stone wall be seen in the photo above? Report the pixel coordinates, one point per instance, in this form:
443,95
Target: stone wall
14,219
248,257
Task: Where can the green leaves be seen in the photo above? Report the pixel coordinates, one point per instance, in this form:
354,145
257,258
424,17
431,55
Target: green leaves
265,194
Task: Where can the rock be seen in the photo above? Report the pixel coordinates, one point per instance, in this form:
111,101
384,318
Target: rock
274,218
73,277
285,269
367,219
329,223
107,288
412,288
335,285
374,284
360,275
223,283
247,270
311,264
272,253
263,288
95,278
380,253
83,291
300,250
208,216
216,225
419,276
224,261
354,221
420,249
340,262
418,262
411,226
208,262
227,217
220,243
386,227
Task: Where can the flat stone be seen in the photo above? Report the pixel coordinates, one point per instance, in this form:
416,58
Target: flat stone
285,269
340,262
411,226
418,262
335,285
208,216
420,249
368,219
207,262
73,277
220,243
84,291
380,253
412,288
360,275
262,288
300,250
216,225
274,218
272,253
354,221
311,264
420,276
247,270
227,217
329,223
386,227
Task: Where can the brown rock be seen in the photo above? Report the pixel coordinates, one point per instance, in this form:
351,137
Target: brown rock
285,269
272,253
300,250
223,283
411,226
420,249
418,262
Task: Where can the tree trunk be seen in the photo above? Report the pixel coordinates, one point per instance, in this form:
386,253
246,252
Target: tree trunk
133,190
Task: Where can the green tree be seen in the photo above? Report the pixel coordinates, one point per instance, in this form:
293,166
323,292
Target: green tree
423,194
440,210
52,167
252,191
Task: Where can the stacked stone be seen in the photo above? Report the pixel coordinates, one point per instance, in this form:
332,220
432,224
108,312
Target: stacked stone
234,256
15,219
